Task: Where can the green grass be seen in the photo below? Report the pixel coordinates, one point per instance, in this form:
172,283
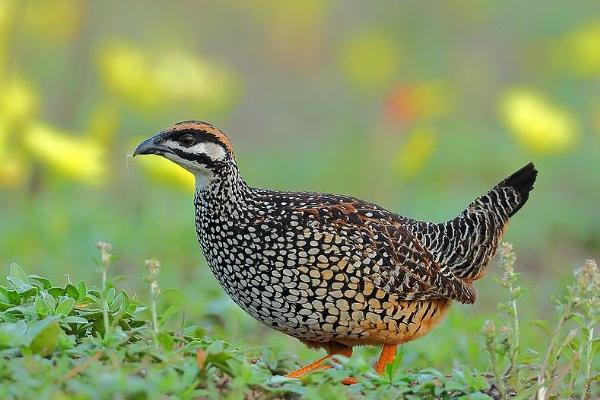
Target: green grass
84,341
298,121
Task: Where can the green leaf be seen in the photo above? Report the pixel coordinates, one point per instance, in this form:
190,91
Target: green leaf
94,296
66,306
169,312
110,294
194,331
40,282
12,296
542,324
26,311
73,319
4,295
44,336
476,396
136,323
50,300
215,347
72,291
530,356
165,340
595,345
116,303
13,334
18,273
57,291
474,379
579,319
19,285
82,289
42,307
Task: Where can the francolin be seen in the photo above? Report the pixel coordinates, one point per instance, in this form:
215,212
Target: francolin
334,271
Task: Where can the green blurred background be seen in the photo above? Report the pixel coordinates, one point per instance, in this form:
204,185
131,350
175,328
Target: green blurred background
417,106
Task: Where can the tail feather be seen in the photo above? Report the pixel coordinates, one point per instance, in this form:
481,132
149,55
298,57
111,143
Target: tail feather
508,196
466,243
521,182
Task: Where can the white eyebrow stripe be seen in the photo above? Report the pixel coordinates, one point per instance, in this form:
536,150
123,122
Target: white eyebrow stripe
215,151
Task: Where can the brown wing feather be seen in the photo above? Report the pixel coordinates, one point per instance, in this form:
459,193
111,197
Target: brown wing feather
393,259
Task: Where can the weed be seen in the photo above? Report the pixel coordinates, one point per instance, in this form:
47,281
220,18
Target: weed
153,267
571,346
63,341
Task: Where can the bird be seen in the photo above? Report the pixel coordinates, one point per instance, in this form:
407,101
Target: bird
334,271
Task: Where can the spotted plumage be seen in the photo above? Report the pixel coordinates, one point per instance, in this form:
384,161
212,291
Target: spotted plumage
331,270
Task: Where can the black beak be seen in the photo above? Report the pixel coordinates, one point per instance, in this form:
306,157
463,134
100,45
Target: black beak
151,146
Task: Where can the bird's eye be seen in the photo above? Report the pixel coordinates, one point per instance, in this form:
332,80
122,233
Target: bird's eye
187,140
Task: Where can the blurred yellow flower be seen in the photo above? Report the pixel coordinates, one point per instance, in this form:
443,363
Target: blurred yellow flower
5,16
18,101
370,60
164,171
583,49
103,123
13,168
75,157
416,151
182,77
5,20
126,73
537,124
172,79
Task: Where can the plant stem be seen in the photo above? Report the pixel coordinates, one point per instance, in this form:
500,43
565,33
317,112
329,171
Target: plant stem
489,332
515,342
154,315
153,267
497,374
542,391
105,252
587,386
568,339
105,316
515,332
104,268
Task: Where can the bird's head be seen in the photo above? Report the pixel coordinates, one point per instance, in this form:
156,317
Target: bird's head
196,146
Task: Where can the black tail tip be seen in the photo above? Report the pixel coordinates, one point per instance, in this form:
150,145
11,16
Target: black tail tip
522,181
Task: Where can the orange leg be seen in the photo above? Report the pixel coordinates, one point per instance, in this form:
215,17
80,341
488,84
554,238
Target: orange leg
388,353
315,365
349,381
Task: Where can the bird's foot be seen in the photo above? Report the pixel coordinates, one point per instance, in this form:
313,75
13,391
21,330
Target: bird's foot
388,353
313,366
316,366
321,365
350,381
